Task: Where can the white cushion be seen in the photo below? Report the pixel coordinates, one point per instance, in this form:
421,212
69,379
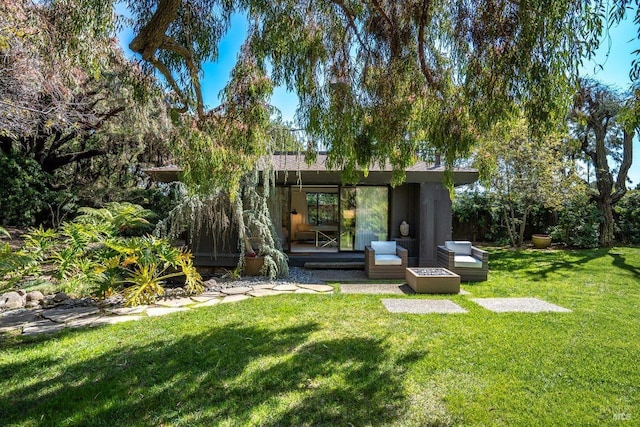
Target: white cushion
460,247
387,260
466,261
384,247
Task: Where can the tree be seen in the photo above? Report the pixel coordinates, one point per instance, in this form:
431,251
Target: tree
379,80
71,102
524,172
604,124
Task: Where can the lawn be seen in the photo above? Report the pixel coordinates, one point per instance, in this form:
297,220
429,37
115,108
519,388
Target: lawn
342,359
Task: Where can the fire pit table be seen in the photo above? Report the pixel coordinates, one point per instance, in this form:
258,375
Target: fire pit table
435,280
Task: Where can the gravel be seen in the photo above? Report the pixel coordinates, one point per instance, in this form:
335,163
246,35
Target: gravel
296,275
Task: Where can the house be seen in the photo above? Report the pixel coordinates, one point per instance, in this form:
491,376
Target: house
321,219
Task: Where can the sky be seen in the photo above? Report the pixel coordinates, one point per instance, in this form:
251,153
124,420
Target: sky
611,66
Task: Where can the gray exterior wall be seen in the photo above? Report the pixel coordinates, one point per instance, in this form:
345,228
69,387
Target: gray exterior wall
435,221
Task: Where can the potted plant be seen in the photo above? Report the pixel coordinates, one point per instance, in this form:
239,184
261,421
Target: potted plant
541,241
253,264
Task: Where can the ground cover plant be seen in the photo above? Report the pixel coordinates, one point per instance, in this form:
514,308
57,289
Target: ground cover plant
342,359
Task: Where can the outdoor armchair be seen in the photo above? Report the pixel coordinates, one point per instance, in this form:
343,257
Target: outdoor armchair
467,261
385,260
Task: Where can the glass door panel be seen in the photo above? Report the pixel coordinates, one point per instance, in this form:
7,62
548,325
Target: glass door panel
347,218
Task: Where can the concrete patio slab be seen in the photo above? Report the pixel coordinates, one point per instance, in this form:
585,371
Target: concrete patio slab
422,306
523,305
376,288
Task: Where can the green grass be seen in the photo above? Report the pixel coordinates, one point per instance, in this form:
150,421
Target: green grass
342,360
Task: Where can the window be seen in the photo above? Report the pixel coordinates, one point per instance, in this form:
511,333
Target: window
322,208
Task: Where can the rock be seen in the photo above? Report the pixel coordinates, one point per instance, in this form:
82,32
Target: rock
60,296
36,296
32,304
12,300
211,285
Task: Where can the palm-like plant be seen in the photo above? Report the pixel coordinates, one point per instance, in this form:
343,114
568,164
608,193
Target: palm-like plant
148,263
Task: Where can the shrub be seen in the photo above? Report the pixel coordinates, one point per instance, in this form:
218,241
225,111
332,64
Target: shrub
25,197
89,257
628,210
578,223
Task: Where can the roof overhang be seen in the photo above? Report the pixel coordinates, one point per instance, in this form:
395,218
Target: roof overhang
292,169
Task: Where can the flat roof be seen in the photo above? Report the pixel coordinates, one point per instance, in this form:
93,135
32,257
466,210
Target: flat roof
292,168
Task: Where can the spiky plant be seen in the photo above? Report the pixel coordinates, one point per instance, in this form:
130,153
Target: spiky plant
148,263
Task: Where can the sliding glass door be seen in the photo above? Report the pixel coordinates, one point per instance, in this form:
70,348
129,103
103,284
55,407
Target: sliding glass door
364,216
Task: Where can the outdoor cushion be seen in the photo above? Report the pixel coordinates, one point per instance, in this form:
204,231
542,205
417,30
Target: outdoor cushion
387,259
460,247
466,261
304,227
384,248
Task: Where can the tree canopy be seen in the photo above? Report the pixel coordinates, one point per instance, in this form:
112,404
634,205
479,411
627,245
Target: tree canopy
381,80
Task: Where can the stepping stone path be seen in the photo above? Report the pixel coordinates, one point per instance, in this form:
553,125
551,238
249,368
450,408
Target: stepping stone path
522,305
38,321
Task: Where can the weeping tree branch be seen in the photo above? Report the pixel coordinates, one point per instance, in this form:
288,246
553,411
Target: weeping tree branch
152,37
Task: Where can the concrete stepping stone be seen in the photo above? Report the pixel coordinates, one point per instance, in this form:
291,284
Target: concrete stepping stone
179,302
235,298
376,288
236,291
64,315
162,311
317,288
212,301
285,288
264,292
42,327
522,305
422,306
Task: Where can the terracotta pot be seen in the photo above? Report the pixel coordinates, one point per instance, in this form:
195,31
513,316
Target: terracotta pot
541,241
253,265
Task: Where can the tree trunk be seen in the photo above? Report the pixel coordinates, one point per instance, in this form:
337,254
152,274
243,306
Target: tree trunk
606,228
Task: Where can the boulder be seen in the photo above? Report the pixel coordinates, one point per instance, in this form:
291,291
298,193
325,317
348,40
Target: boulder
35,296
60,296
211,285
11,300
